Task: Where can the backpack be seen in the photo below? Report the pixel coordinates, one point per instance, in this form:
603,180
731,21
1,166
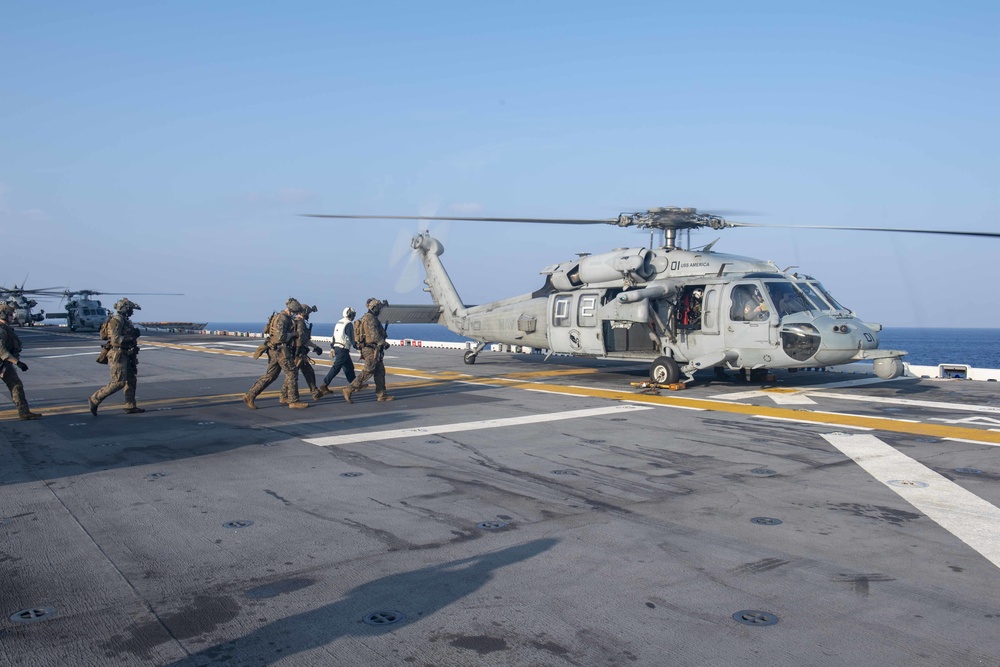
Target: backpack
359,333
106,328
267,327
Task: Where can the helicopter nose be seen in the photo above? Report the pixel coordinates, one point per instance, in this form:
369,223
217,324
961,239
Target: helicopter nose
853,335
826,340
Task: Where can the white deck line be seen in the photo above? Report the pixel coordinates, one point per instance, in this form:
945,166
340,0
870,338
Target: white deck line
908,401
810,423
368,436
965,515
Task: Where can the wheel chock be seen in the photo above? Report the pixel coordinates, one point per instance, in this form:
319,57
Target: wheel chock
653,387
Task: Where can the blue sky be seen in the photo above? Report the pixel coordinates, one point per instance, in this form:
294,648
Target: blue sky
170,146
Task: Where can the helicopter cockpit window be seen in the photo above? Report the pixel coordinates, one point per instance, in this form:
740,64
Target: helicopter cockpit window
748,304
815,298
829,297
789,297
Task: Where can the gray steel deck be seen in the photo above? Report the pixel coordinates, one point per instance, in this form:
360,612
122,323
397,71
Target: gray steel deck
588,525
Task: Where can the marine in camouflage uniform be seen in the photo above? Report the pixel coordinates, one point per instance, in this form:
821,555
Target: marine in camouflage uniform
370,336
303,345
10,361
281,357
123,358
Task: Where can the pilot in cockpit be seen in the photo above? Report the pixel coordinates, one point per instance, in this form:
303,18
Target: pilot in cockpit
749,304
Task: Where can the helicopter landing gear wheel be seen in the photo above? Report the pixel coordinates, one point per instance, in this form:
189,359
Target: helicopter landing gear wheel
664,371
469,357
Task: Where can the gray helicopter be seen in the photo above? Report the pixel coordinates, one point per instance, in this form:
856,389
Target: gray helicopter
20,299
82,313
682,310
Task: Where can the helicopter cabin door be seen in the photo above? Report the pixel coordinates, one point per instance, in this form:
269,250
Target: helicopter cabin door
574,326
710,310
749,316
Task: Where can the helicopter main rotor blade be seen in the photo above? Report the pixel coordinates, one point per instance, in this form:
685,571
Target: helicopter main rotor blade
551,221
21,290
950,232
668,218
90,292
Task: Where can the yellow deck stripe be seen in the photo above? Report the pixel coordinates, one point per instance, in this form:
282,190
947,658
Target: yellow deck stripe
515,380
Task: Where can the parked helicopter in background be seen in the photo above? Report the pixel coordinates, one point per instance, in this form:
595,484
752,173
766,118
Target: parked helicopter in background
19,299
82,313
682,310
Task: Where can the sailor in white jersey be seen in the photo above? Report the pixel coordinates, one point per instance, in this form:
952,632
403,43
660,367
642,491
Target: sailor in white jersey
343,339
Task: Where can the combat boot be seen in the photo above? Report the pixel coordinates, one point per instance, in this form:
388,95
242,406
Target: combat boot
386,397
134,410
248,399
347,394
298,405
324,389
93,405
29,415
283,400
317,394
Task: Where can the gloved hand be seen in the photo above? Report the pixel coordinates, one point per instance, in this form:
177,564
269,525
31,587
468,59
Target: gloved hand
23,366
318,350
386,346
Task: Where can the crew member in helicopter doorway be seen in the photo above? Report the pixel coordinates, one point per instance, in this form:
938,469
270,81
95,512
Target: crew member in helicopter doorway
369,336
123,357
343,339
10,361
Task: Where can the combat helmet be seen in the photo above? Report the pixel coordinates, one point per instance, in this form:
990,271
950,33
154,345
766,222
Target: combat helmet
293,305
375,305
6,309
307,309
126,304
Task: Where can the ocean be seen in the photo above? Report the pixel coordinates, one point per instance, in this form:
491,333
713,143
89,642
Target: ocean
979,348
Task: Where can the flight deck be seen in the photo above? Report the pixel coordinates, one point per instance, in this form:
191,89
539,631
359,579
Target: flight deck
518,511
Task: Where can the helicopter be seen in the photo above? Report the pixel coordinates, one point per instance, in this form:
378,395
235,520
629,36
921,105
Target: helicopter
82,313
19,299
683,310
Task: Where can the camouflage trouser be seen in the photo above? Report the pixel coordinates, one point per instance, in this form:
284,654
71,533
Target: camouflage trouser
123,367
373,368
13,382
279,360
308,372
